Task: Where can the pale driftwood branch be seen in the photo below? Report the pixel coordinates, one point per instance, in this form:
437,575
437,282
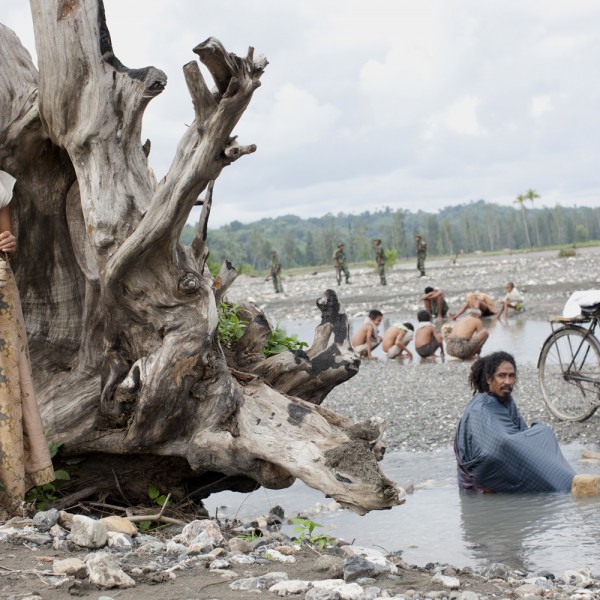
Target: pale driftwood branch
199,246
203,101
233,150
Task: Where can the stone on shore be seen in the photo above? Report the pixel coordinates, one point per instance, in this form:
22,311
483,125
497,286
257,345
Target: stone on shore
120,525
104,571
88,533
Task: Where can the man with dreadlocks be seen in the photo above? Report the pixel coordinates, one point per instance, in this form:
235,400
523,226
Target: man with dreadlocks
495,450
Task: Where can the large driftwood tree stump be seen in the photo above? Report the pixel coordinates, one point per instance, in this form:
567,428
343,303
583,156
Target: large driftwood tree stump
122,319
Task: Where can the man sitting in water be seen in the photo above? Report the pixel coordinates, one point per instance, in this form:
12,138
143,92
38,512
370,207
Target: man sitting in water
480,301
396,339
435,302
513,299
427,338
467,337
495,450
367,338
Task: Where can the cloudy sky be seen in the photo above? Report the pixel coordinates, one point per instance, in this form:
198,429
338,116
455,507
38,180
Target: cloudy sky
408,104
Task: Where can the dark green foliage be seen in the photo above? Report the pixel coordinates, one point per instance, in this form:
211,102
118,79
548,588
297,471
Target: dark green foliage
466,227
230,327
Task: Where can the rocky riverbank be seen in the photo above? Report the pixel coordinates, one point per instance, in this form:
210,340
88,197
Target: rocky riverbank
57,555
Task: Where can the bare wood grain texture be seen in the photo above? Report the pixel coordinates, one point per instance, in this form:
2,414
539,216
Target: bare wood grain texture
122,319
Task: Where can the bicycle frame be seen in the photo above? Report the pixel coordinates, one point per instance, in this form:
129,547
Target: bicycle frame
571,371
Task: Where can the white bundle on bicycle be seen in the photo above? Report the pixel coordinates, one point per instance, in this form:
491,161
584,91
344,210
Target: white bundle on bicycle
583,301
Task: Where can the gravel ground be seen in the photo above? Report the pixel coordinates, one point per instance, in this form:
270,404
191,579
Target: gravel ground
422,402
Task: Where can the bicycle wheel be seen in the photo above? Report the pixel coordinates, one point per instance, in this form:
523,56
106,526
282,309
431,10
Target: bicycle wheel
569,371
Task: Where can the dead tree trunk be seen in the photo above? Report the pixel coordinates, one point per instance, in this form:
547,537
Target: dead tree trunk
122,319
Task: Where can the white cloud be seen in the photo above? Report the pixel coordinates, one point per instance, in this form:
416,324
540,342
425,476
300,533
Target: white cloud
412,104
540,105
461,116
294,119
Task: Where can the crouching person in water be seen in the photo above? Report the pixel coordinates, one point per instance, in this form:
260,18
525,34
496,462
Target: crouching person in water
396,339
495,449
367,338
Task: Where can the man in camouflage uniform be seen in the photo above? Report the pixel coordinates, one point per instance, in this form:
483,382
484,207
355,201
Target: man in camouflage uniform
421,254
274,272
380,260
339,261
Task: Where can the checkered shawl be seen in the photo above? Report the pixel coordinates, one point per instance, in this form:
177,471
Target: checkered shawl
496,451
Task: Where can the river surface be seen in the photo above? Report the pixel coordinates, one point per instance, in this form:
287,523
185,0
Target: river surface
438,522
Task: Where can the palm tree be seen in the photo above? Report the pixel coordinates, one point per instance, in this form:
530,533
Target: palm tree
531,195
520,200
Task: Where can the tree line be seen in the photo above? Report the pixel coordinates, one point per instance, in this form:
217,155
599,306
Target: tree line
475,226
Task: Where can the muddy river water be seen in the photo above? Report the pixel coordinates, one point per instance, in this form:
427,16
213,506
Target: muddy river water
438,522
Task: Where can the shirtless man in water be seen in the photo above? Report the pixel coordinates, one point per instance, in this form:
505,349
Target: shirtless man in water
396,339
467,336
367,338
480,301
427,338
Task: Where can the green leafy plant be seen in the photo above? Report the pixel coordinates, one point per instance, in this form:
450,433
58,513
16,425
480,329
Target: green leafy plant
567,252
230,327
250,536
306,530
155,495
391,256
279,342
41,496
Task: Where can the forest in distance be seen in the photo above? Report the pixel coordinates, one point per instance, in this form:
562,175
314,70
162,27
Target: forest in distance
476,226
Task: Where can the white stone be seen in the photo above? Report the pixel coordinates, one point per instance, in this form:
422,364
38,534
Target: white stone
328,584
527,590
205,532
57,531
350,591
373,556
452,583
218,564
175,549
578,578
104,571
278,557
242,559
293,586
119,541
68,566
87,533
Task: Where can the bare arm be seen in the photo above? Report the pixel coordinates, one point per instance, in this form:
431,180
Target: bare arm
460,312
8,242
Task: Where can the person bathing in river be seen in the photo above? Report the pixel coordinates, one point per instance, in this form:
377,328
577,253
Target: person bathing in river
396,339
513,300
495,449
367,338
427,338
480,301
465,339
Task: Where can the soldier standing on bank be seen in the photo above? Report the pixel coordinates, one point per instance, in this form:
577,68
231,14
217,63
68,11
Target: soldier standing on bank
275,271
421,254
339,261
380,260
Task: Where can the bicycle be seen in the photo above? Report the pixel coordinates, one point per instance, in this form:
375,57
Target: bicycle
569,366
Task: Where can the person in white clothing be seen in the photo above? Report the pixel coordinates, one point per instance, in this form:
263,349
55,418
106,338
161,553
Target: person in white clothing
513,300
